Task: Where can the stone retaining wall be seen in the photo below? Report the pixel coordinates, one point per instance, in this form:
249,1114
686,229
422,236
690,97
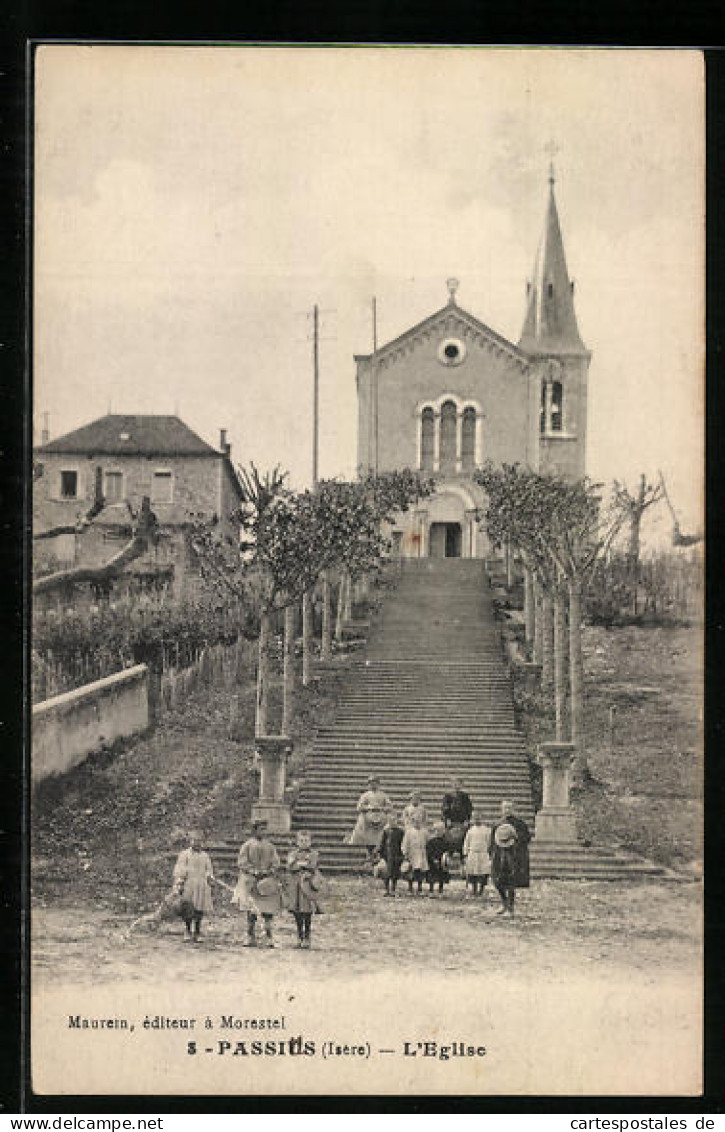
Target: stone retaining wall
68,728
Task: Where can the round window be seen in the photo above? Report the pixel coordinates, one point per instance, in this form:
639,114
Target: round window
451,352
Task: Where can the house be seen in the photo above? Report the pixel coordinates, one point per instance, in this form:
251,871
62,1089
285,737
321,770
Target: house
89,487
450,393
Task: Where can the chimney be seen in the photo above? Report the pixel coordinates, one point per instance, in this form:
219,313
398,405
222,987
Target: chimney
224,443
45,434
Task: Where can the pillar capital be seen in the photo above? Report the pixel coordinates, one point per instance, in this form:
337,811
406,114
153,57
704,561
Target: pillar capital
558,756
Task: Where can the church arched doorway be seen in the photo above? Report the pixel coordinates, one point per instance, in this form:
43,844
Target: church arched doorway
446,540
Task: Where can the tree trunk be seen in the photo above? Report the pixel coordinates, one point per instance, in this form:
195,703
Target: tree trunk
340,607
560,658
538,623
509,566
326,642
576,680
347,608
307,637
547,641
290,625
529,611
260,725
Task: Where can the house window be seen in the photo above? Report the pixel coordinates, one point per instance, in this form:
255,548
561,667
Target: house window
449,417
468,440
69,485
162,487
427,447
113,489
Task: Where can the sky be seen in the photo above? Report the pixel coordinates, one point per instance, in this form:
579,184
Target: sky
192,204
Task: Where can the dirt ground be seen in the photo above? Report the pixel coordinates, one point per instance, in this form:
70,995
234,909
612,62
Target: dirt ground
560,925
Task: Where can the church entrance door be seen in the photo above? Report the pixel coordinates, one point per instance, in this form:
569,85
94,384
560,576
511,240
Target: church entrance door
445,540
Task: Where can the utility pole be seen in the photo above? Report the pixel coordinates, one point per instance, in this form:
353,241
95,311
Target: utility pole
374,384
307,611
316,394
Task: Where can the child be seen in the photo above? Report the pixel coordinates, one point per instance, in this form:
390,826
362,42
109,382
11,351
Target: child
437,847
193,875
475,853
415,808
391,852
257,890
302,867
414,851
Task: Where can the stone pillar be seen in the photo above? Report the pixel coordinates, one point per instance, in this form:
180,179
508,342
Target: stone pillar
555,820
273,752
469,537
421,529
479,439
459,440
437,440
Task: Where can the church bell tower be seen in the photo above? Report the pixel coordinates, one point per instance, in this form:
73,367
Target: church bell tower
551,336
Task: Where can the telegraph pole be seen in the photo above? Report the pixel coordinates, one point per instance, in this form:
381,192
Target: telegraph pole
374,384
315,394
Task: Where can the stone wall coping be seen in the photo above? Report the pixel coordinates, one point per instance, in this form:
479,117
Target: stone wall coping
90,691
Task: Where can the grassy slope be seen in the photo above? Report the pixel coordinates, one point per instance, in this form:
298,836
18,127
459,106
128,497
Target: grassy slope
646,789
103,831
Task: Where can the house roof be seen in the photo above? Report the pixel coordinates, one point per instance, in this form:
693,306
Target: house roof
117,434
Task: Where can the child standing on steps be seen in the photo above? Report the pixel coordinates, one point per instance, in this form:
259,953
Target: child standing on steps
390,851
414,851
475,854
302,886
193,876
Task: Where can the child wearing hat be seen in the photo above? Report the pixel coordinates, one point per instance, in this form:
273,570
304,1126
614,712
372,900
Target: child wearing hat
257,892
193,876
509,849
303,886
372,809
390,852
475,854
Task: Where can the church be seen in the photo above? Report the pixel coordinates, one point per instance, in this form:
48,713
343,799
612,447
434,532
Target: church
450,393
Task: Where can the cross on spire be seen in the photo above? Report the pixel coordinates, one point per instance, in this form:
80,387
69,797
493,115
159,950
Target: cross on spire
552,149
452,285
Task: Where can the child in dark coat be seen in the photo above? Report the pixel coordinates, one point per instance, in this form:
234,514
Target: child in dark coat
436,848
391,852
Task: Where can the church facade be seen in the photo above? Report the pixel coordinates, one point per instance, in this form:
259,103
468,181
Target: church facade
450,394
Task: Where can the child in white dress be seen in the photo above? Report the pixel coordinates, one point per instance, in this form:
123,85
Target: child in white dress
475,854
414,852
193,877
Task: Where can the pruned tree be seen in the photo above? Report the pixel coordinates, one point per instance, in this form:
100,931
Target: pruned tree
633,505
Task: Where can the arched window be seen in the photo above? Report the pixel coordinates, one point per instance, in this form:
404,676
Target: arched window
468,440
552,407
557,406
427,440
449,415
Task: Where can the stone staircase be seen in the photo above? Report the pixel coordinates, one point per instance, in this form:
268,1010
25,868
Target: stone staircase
430,699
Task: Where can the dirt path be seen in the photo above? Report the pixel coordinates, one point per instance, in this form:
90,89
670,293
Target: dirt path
592,989
559,925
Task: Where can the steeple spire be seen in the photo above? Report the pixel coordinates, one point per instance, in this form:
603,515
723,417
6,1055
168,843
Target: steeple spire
550,326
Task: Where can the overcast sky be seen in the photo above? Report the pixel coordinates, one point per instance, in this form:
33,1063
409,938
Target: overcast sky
192,204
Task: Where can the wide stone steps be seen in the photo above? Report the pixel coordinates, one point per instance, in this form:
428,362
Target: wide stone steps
429,699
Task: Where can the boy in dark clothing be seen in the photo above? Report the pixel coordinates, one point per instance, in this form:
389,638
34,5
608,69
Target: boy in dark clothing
436,848
390,850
